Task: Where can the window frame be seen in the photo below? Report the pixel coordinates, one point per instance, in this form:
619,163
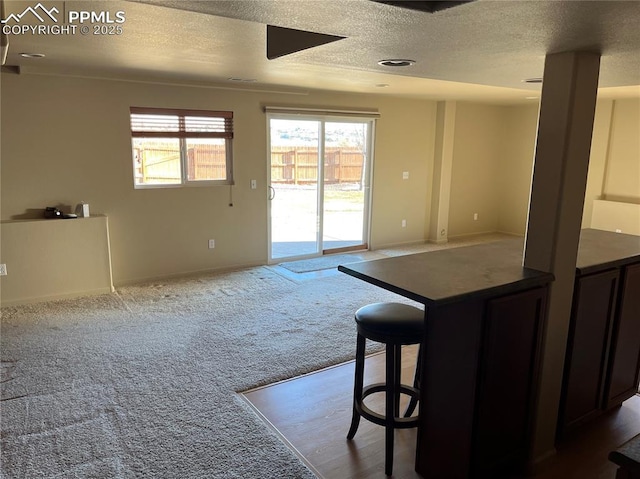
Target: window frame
183,135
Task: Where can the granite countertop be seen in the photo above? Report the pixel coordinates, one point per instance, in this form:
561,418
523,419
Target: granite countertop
600,250
452,275
456,274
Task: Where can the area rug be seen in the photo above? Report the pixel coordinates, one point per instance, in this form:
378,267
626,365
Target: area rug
143,383
321,263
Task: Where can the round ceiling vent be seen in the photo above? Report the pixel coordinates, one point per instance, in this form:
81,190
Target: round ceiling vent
395,62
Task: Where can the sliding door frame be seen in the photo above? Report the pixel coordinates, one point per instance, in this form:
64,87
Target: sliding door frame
367,177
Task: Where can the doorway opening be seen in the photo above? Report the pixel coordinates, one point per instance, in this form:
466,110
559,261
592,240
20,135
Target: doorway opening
319,169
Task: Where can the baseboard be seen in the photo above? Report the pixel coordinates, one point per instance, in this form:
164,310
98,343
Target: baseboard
483,233
437,241
397,245
186,274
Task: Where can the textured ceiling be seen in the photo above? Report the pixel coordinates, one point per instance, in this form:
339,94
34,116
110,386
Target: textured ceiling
479,51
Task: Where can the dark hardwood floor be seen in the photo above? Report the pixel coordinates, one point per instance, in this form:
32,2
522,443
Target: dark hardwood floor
312,414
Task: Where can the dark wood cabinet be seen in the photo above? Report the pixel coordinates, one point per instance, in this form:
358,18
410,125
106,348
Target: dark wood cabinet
602,360
480,374
624,362
508,371
588,346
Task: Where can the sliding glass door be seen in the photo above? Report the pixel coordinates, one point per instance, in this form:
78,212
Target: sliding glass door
319,185
294,187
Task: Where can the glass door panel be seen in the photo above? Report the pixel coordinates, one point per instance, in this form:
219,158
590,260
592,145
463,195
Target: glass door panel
294,221
344,215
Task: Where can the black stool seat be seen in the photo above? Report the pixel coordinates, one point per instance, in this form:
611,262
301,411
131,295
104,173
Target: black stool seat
393,324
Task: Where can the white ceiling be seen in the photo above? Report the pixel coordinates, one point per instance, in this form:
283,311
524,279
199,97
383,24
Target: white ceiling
478,51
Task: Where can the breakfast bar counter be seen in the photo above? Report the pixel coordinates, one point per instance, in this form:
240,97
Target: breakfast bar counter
484,317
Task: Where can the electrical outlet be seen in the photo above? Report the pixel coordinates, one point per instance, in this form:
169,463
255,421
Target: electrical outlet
405,175
404,223
3,269
212,244
475,217
254,184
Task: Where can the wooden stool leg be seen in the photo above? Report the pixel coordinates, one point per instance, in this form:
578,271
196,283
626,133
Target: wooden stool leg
416,384
390,407
358,385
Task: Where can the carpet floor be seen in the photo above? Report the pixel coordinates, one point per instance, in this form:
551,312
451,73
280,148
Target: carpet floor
143,383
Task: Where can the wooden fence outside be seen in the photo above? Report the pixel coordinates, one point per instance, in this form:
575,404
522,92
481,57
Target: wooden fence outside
299,164
207,162
160,163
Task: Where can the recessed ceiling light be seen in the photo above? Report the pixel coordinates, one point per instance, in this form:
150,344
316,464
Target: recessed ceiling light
531,98
396,62
532,80
32,55
382,85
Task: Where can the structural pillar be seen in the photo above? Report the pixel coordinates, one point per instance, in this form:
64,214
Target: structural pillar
565,126
443,163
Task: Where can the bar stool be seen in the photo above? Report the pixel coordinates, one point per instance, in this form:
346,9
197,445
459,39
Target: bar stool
393,324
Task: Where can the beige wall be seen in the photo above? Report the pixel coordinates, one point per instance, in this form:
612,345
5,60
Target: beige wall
502,139
516,166
66,140
54,259
404,142
613,188
598,158
622,175
479,130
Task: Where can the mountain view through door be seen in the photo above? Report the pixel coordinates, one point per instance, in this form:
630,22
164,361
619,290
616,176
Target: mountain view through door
319,186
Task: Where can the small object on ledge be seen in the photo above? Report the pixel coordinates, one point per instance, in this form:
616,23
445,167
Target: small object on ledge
52,212
82,210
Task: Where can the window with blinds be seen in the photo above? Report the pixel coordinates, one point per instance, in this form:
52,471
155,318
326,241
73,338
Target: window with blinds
181,147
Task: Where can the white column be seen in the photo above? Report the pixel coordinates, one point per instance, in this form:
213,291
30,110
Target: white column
565,127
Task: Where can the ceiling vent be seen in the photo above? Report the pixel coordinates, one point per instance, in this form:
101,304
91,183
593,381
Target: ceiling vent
424,6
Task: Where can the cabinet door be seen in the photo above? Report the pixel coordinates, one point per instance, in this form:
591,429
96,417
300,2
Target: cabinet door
625,343
507,380
587,347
